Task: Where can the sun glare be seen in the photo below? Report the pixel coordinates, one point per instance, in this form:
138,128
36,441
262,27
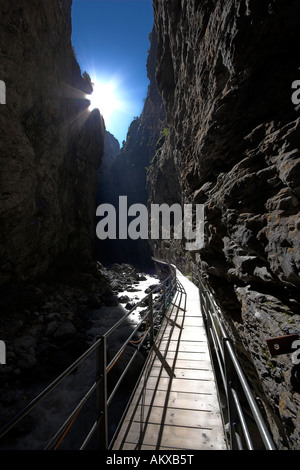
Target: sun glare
104,98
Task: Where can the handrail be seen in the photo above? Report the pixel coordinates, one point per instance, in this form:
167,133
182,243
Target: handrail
165,290
231,380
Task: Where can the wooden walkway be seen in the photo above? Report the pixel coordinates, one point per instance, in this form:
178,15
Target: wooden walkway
176,406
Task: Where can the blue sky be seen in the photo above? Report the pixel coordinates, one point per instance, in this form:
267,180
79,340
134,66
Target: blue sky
111,42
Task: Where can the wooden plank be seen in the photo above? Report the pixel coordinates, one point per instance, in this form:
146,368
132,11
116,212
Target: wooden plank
195,312
185,363
203,384
196,374
134,446
191,346
176,417
178,437
193,334
187,355
182,400
188,334
193,321
181,385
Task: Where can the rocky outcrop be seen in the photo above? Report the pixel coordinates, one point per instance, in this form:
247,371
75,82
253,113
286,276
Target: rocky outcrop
51,146
106,190
127,172
225,71
105,182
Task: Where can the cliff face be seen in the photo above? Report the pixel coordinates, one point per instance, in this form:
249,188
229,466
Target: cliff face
225,71
127,172
105,183
51,146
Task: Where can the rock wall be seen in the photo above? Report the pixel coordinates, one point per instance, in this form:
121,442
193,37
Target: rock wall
225,70
105,182
51,146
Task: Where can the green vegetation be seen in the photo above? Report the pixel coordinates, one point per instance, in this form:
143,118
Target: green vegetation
165,132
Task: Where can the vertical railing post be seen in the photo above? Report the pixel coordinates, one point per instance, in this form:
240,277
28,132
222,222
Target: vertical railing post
233,417
101,377
151,319
200,289
167,289
208,321
164,284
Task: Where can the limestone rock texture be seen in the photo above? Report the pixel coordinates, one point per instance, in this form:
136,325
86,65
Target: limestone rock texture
50,145
224,69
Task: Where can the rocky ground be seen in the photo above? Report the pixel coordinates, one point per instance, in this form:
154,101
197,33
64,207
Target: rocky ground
48,325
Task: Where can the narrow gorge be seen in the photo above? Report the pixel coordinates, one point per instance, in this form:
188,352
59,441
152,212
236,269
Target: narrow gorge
218,128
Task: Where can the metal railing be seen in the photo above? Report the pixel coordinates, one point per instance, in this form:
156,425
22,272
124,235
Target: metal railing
174,314
156,309
242,417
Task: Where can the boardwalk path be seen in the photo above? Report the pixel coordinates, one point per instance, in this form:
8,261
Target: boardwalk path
176,406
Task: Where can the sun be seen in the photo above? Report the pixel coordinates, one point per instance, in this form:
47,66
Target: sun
104,98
